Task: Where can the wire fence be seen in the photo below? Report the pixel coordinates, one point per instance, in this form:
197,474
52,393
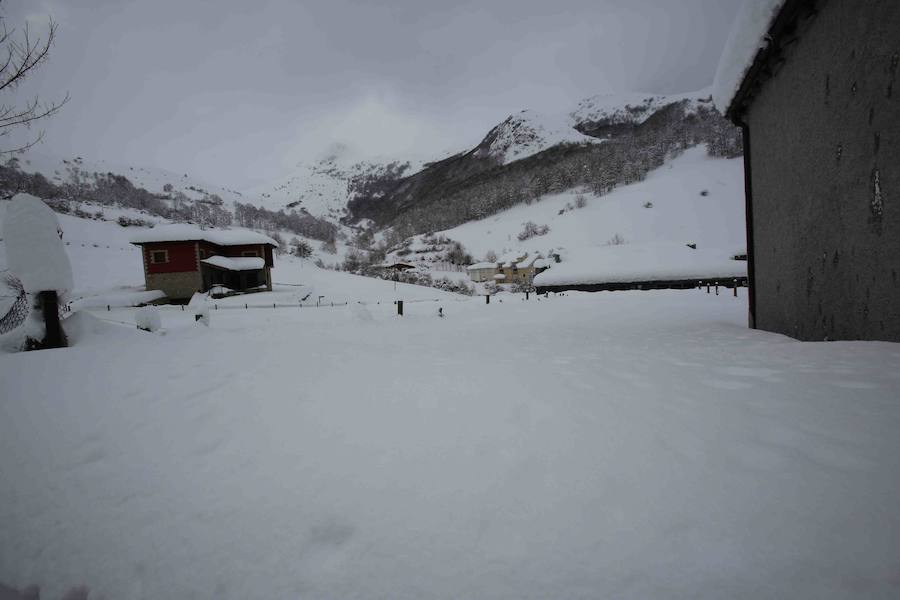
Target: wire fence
20,308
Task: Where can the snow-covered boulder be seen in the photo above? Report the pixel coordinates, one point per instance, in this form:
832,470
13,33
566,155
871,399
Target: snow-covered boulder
35,252
148,319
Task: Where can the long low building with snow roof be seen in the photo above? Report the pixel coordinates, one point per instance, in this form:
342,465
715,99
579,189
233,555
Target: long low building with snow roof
181,260
642,266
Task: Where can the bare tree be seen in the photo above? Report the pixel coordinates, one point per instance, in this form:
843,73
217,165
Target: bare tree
20,55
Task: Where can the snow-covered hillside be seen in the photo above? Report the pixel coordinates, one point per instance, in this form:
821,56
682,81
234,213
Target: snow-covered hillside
693,198
158,181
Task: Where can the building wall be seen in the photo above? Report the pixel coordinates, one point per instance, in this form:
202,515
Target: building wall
825,158
482,274
177,286
182,257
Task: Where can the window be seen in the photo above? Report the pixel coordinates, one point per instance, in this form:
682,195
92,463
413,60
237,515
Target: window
250,253
159,256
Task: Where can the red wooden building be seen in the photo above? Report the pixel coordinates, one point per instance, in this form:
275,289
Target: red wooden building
182,259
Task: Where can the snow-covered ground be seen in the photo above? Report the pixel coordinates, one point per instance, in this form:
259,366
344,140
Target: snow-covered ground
615,445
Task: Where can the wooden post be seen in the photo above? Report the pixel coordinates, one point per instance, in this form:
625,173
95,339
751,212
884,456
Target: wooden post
487,298
717,288
735,288
707,287
54,336
526,295
400,308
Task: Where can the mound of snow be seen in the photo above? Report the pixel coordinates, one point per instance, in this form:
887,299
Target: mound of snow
148,319
35,252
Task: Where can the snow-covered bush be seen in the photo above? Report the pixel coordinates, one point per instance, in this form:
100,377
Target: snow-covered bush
148,319
532,229
616,240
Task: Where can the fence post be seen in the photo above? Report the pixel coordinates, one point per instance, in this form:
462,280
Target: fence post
216,306
487,298
526,295
717,288
400,308
245,306
107,308
735,288
707,287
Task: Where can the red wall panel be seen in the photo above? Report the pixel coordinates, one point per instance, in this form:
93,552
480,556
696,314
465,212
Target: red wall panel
182,257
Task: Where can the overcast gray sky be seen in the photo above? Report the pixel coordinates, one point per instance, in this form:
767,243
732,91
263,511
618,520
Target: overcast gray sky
237,91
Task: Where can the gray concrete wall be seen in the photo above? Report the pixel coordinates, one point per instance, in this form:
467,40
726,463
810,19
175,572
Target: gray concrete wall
825,154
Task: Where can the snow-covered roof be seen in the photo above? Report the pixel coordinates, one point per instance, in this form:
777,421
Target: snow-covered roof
641,262
35,252
181,232
541,263
499,276
528,261
748,36
482,265
242,263
511,258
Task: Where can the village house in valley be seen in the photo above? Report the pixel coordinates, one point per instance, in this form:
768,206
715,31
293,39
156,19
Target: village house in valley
814,86
515,267
181,260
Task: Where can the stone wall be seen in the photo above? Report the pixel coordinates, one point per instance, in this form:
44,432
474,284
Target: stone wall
177,286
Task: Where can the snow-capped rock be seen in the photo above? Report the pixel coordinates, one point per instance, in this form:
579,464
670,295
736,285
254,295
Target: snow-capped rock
526,133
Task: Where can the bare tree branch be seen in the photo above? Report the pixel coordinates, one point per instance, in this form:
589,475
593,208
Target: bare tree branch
19,57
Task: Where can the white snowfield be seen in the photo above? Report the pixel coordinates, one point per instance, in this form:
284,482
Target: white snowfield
642,262
611,445
747,37
178,232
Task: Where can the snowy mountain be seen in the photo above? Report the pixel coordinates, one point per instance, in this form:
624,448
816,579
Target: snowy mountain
527,133
529,156
322,186
606,114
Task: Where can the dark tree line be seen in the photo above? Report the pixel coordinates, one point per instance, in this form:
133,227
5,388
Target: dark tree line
301,223
110,189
